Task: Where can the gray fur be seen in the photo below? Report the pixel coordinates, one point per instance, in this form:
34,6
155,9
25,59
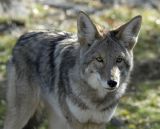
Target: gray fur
59,69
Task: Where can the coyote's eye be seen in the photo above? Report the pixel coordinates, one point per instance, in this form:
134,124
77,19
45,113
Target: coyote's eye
119,60
99,59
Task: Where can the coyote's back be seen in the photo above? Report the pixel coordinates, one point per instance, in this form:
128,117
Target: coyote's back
79,79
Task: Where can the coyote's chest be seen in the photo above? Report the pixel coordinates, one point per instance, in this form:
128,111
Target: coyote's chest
90,115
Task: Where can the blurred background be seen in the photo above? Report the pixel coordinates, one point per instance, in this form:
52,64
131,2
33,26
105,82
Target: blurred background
140,107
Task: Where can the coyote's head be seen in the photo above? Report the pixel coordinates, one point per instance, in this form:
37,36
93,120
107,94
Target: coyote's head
106,59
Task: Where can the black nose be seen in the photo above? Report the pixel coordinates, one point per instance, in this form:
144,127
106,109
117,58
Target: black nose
112,83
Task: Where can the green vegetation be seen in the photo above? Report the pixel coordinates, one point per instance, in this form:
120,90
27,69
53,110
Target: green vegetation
140,108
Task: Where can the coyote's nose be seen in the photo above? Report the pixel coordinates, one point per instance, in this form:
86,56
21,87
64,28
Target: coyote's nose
112,83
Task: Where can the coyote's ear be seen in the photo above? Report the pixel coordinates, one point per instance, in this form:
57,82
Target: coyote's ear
128,33
87,31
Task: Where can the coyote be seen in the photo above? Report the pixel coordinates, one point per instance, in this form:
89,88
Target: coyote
79,78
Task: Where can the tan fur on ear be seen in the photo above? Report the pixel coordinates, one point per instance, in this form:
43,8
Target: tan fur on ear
102,31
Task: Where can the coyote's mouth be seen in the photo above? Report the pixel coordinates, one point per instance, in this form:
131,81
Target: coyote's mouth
111,89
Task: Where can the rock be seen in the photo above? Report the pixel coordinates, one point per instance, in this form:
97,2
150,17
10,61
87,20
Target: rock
134,3
146,70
